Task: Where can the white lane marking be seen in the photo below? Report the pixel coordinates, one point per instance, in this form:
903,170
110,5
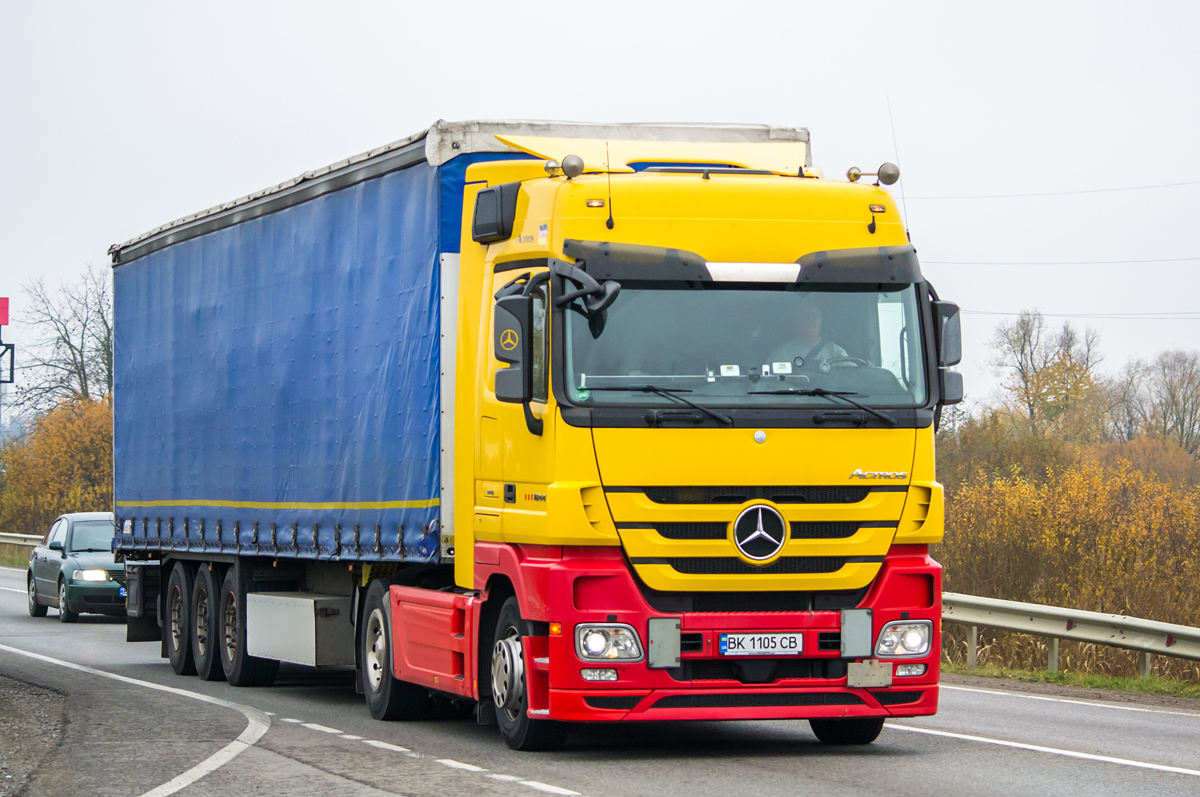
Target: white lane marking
450,762
351,737
312,726
1037,748
14,569
1076,701
395,748
505,778
10,589
257,722
289,719
546,787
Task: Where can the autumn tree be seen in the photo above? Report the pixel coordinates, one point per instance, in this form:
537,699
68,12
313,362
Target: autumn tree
62,464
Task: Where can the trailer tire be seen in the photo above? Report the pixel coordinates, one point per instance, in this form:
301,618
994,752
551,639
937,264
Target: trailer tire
388,698
510,688
239,667
205,624
854,730
178,622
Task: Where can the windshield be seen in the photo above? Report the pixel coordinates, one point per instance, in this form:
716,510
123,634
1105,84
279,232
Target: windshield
733,345
92,535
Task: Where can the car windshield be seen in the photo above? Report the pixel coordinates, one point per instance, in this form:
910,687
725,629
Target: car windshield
92,535
749,345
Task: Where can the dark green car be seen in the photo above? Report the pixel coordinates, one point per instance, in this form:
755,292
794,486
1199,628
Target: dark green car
73,569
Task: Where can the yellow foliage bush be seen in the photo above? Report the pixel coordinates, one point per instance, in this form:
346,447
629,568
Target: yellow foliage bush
1094,537
63,464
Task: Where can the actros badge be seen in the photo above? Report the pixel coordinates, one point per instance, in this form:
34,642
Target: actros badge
759,532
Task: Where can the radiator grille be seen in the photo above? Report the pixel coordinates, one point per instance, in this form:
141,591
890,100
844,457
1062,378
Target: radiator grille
823,530
728,566
693,531
739,495
755,700
623,702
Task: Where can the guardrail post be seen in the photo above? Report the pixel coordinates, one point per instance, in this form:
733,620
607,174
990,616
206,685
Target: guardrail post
1052,666
972,646
1144,665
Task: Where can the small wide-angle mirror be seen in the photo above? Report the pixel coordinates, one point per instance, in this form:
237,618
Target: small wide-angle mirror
951,386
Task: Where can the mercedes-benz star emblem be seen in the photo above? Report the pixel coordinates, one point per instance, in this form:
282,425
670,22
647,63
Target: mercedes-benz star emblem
759,532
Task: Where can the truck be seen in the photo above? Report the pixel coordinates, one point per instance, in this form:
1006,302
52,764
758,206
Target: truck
544,423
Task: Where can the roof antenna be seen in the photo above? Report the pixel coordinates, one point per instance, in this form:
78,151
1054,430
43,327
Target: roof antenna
896,149
608,170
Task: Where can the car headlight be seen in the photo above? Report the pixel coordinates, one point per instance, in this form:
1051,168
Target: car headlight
596,642
899,640
91,575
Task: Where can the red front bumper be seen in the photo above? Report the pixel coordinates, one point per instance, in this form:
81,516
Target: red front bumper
595,586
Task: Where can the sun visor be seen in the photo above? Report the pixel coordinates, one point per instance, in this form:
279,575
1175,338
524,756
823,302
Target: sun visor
882,264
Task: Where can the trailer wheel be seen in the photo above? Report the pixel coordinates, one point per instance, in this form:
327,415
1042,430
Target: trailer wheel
388,698
177,623
510,688
240,668
205,626
855,730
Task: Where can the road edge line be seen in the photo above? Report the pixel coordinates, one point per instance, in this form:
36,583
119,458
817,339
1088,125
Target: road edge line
257,721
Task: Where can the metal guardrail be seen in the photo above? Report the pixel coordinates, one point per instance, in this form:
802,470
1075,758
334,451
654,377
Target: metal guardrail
26,540
1115,630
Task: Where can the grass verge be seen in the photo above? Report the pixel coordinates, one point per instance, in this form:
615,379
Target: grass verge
14,559
1151,685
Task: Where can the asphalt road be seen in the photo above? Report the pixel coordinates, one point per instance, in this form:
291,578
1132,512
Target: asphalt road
310,734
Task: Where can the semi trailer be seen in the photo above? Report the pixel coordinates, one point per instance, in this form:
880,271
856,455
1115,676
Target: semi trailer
549,422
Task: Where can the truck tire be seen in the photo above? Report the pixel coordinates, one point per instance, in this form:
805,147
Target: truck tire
240,668
510,688
36,609
65,615
388,698
177,623
205,626
856,730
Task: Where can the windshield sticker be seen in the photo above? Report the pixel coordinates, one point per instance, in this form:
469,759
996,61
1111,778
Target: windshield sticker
583,394
730,370
781,368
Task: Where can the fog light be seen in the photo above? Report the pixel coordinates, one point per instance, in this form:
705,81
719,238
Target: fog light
905,639
910,669
92,575
600,675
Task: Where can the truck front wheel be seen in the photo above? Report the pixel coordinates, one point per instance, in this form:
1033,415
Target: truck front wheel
510,688
388,698
855,730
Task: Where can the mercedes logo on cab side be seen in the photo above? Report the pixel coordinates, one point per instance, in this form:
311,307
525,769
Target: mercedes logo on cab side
759,532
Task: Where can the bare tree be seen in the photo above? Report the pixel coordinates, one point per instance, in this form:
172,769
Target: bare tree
1128,405
72,353
1173,388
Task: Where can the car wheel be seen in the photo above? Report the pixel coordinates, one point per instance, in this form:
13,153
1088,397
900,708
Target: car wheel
388,698
240,668
36,609
65,615
510,688
205,626
177,623
856,730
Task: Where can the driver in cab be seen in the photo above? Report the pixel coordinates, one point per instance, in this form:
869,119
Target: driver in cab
807,349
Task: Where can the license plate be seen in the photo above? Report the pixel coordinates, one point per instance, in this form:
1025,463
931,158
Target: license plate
761,644
123,593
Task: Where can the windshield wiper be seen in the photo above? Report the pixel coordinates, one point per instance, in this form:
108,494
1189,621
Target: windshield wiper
844,395
671,393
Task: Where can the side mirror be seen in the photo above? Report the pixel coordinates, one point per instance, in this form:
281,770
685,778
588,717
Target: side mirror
951,386
513,332
946,319
55,546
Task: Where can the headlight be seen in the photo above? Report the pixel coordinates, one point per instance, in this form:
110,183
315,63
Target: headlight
606,642
91,575
905,639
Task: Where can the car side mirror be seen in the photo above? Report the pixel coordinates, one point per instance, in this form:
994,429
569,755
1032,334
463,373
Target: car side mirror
513,325
55,546
949,331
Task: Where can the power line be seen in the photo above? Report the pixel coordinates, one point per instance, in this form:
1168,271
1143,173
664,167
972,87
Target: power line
1066,193
1057,262
1181,315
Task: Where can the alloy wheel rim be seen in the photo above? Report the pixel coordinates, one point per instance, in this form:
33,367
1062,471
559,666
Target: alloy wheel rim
33,604
62,598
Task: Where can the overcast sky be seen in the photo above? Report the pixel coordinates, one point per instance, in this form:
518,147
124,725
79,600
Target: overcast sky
116,117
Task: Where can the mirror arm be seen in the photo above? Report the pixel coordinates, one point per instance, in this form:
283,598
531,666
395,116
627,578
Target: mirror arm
532,422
